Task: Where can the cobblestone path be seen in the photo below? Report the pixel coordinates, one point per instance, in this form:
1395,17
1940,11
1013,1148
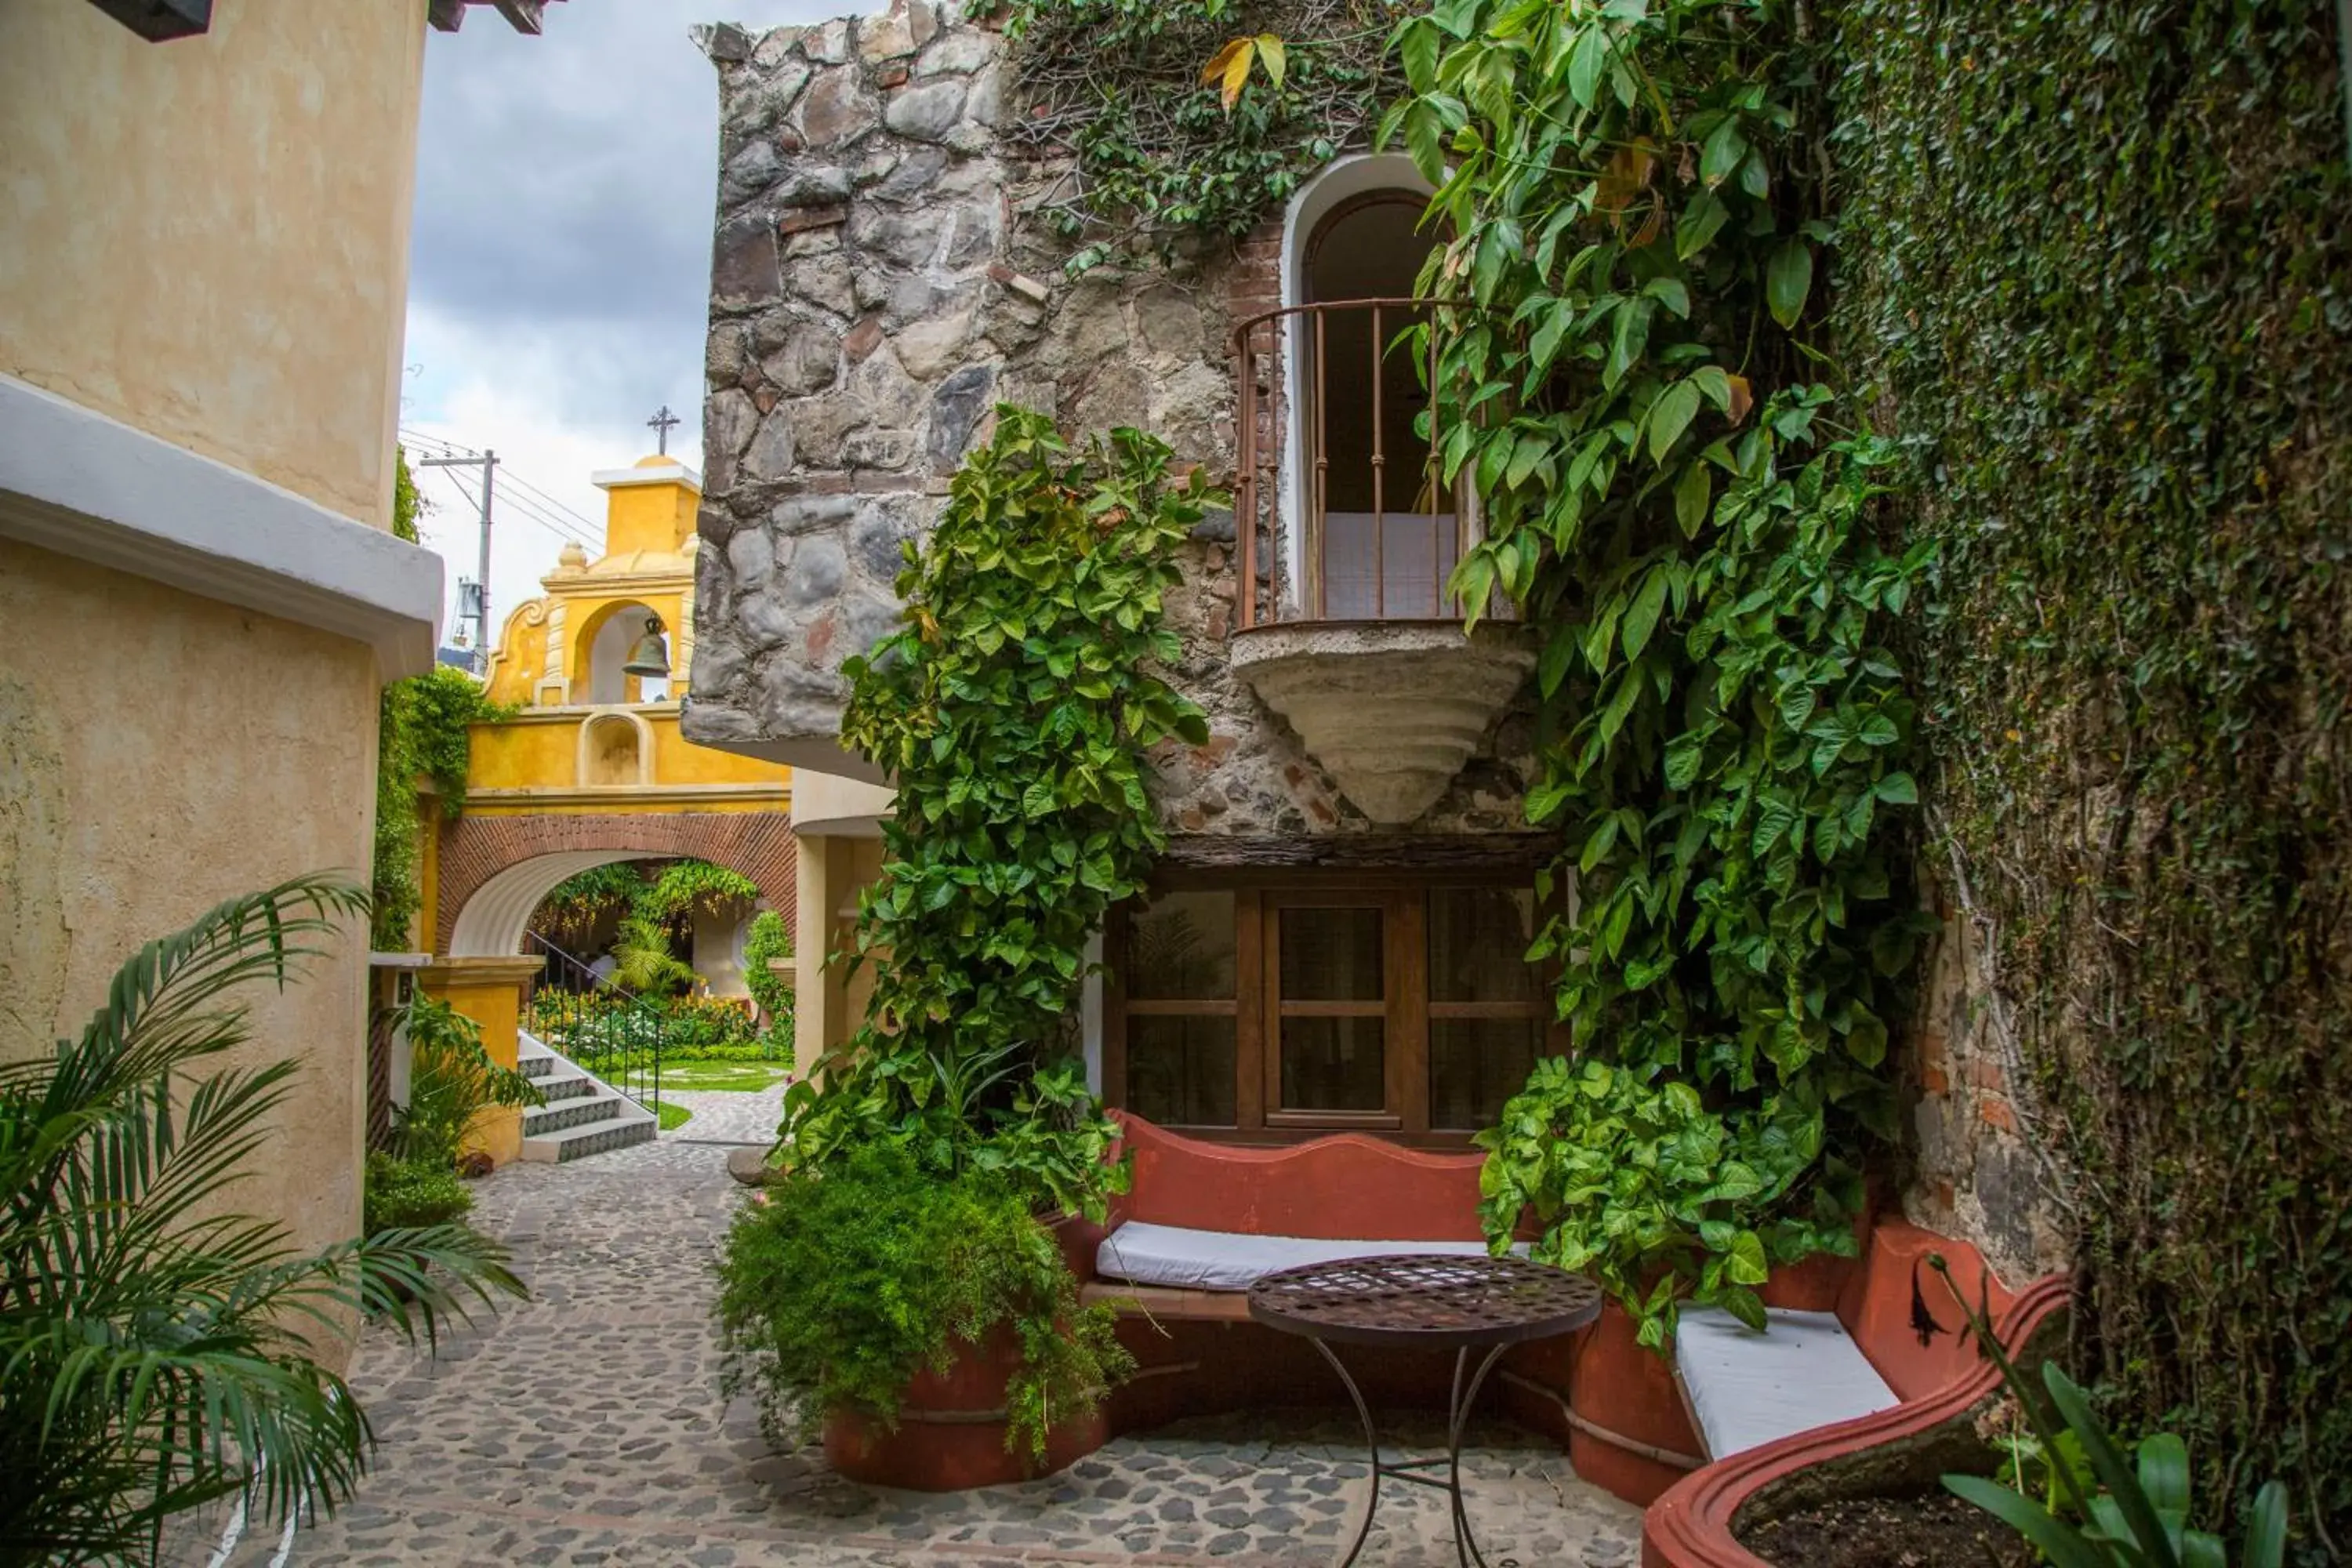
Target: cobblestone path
585,1426
729,1116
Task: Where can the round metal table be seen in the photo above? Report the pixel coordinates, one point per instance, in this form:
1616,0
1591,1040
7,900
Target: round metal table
1431,1301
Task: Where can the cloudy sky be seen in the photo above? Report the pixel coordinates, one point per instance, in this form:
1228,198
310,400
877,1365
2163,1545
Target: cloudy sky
564,188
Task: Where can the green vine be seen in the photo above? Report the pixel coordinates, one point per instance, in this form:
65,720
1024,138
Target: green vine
2101,262
1014,712
1158,156
1686,524
421,733
770,937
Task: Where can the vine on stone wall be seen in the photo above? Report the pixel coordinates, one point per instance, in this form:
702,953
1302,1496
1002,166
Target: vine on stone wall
1159,157
2100,258
1014,713
1638,211
421,733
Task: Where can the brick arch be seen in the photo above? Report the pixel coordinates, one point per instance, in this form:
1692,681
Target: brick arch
476,849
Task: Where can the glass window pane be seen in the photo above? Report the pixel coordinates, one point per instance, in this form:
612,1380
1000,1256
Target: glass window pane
1331,955
1475,1065
1478,941
1179,1071
1180,947
1333,1064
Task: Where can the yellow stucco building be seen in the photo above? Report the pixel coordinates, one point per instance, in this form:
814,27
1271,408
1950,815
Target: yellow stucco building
591,768
204,270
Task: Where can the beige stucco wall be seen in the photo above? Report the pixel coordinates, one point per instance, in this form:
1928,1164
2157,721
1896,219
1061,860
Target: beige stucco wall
164,753
208,238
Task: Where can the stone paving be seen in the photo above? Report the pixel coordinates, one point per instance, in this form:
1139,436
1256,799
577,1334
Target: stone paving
729,1116
585,1426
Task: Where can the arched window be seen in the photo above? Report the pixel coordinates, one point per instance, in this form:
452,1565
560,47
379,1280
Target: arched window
1367,531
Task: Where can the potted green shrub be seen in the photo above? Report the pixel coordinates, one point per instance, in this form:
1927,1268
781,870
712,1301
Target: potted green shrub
927,1321
904,1264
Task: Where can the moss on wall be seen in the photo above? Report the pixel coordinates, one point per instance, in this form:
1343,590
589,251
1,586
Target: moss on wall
2098,256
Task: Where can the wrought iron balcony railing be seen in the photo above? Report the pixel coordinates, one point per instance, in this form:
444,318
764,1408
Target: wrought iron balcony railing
1333,471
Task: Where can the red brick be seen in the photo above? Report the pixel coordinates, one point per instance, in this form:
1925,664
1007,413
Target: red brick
759,843
1997,1113
1983,1072
1935,1081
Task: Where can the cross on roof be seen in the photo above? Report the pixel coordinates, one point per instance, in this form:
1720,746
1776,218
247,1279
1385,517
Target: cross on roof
662,424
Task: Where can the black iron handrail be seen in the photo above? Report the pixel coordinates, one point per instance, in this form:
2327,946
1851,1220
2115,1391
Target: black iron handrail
608,1029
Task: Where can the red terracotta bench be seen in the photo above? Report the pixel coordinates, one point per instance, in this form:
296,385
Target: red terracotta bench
1203,1220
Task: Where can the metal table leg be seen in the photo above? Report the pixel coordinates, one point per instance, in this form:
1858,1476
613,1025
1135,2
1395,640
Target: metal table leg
1457,1422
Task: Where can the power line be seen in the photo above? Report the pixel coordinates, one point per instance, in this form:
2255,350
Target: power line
460,449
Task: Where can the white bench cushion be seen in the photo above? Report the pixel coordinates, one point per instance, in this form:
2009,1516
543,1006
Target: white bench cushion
1183,1259
1748,1388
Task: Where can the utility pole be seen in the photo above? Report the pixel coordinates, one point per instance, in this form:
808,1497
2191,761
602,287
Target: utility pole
488,463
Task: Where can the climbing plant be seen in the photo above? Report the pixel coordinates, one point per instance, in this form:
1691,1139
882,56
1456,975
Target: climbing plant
2100,260
1684,516
1013,713
421,733
1190,117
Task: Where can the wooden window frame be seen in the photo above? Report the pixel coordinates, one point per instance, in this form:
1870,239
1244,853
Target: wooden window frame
1257,1009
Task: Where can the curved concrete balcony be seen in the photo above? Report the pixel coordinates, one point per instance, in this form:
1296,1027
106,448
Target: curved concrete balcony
1390,709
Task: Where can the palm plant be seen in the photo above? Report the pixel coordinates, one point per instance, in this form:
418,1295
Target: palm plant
155,1349
643,961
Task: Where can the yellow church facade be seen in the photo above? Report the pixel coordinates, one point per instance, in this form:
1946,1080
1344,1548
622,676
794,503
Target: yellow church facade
591,767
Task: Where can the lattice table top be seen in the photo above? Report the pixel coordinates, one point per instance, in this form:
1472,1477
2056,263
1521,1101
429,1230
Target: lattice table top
1439,1300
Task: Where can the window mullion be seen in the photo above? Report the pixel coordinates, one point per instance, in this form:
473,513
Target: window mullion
1408,1013
1254,961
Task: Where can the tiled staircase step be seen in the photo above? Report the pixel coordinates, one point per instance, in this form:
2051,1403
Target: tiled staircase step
572,1113
555,1089
537,1066
594,1138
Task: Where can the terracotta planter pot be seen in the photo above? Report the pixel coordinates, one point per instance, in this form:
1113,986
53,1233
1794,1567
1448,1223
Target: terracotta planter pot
1621,1388
951,1429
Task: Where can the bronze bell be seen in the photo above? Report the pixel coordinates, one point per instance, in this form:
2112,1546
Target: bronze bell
650,655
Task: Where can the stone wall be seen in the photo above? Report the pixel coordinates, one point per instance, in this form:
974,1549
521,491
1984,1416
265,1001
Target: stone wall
1982,1167
880,279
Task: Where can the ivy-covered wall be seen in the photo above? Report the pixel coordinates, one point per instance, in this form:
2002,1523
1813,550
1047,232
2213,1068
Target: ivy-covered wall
2097,258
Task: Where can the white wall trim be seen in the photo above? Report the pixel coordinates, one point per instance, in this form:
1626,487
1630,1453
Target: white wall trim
76,482
659,474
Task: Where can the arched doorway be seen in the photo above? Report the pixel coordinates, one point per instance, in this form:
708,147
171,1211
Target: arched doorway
496,870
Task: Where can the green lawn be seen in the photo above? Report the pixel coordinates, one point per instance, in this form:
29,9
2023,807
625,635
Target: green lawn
673,1116
748,1078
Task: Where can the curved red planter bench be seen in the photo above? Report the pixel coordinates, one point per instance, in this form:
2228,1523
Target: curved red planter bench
1941,1383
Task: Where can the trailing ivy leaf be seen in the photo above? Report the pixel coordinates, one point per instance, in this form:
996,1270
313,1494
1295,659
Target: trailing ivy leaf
1724,150
1642,615
1693,494
1670,415
1277,59
1788,280
1586,62
1701,219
